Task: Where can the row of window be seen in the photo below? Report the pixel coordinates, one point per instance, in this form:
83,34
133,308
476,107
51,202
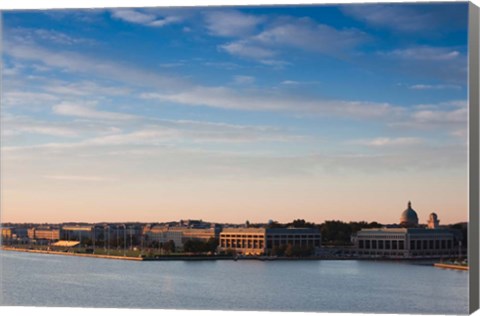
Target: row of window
400,244
414,254
430,244
275,236
383,236
381,244
241,236
241,244
310,236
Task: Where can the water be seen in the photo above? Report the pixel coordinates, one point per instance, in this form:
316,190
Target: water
324,286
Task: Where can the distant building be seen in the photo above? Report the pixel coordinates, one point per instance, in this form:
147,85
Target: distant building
44,232
407,240
261,241
409,217
7,232
179,234
77,232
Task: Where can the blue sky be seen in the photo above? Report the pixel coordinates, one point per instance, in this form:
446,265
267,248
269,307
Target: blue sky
235,113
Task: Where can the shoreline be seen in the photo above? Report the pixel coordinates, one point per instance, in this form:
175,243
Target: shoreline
51,252
451,266
427,261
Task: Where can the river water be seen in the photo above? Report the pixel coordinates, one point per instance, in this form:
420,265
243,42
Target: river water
29,279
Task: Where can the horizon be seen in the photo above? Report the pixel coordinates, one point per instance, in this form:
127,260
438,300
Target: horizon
238,113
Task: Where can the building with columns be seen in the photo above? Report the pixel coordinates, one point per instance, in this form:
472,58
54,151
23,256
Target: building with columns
261,241
407,240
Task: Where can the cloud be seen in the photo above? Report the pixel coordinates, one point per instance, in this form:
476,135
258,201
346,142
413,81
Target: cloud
423,53
296,83
15,125
84,88
418,18
446,116
77,63
77,178
27,98
445,64
402,18
434,87
147,19
251,100
298,33
231,23
247,49
28,35
388,141
76,110
243,80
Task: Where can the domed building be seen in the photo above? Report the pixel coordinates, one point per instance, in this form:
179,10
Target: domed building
407,240
409,217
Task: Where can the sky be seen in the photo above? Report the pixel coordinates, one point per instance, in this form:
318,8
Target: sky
229,114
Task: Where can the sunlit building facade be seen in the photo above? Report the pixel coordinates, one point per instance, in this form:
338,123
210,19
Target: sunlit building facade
408,240
261,241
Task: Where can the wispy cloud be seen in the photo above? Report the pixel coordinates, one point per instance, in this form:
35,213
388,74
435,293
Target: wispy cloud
389,141
445,64
28,98
77,178
434,86
81,64
77,110
446,116
231,23
247,49
39,35
428,53
415,18
222,97
143,18
243,80
298,33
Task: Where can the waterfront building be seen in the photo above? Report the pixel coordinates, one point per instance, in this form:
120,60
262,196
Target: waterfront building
178,234
7,233
408,239
77,232
261,241
44,232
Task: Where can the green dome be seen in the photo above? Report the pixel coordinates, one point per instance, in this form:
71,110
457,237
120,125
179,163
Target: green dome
409,217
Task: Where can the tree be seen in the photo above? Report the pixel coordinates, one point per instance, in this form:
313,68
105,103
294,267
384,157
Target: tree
289,250
169,246
301,223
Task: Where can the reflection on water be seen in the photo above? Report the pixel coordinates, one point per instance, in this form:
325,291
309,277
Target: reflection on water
338,286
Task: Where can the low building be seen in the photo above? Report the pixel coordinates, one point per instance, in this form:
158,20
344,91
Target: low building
77,232
47,233
163,233
262,241
7,233
408,240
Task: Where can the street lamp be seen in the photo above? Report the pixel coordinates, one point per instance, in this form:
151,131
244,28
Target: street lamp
108,237
124,240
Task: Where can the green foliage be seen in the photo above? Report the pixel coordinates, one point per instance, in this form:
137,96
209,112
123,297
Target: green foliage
290,250
200,246
339,233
